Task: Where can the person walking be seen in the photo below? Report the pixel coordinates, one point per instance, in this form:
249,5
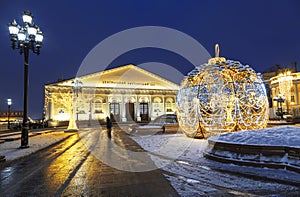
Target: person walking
108,126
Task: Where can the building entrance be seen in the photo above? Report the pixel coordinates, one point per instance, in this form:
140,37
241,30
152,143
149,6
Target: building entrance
144,111
129,111
114,109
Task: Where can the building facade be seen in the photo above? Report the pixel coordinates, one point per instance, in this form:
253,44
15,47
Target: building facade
14,116
127,93
285,93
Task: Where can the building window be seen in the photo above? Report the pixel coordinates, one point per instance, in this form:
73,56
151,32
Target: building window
144,111
98,107
114,108
292,98
169,104
144,108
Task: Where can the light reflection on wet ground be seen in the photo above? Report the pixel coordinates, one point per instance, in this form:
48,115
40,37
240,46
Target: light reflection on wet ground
70,169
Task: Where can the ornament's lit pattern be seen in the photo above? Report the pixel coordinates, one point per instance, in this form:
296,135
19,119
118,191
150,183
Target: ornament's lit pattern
222,95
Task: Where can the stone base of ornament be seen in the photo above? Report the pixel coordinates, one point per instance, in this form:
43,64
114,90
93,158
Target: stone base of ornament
204,134
278,157
70,130
2,158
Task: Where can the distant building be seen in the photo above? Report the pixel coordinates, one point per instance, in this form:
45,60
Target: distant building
282,82
15,116
126,93
285,84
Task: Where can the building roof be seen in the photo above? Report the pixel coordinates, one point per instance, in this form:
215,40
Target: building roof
127,77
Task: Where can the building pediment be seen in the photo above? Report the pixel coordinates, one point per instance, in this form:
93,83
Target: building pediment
127,77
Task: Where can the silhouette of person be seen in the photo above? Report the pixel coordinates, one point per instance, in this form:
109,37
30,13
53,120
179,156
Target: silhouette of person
108,126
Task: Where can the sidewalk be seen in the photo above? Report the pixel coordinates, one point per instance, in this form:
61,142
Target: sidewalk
38,140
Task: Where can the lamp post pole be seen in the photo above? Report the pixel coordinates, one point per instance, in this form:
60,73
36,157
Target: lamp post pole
8,113
25,38
24,135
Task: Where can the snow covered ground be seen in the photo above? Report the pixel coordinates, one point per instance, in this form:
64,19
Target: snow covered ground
276,136
11,149
182,162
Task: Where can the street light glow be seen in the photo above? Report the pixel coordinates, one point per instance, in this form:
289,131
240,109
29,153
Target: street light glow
21,35
31,30
9,102
39,36
27,16
13,28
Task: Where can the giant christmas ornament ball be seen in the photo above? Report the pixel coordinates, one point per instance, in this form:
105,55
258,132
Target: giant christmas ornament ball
222,95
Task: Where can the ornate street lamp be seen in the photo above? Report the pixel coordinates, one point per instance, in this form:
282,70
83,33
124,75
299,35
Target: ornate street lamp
8,112
77,87
280,99
25,38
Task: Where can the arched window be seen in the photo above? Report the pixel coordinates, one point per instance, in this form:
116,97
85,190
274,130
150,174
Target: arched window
98,107
169,104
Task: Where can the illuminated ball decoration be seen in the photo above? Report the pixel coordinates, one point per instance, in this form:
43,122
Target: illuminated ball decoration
222,95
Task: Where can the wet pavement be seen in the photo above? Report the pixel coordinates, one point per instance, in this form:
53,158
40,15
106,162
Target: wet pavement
85,165
70,169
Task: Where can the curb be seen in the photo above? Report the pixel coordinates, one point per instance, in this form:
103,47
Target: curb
31,134
278,157
19,137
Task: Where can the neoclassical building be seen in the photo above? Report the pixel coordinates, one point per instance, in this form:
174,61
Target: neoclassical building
285,85
126,93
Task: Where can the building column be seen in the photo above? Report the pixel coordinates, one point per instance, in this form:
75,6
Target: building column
107,106
123,109
50,109
151,109
138,116
163,99
297,102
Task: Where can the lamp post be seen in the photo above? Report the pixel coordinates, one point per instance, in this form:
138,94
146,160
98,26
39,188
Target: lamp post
77,87
280,99
8,112
25,38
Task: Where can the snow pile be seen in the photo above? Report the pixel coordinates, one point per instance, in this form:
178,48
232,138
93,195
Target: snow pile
172,146
276,136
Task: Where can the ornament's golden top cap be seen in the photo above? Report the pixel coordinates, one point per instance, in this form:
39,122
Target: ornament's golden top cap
216,58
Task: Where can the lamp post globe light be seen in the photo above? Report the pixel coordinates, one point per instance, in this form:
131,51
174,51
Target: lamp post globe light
25,38
9,102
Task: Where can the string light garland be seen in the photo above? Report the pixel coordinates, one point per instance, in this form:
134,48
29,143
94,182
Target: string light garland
285,84
222,95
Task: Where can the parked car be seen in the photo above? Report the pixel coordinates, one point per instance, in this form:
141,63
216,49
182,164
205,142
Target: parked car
166,119
166,123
